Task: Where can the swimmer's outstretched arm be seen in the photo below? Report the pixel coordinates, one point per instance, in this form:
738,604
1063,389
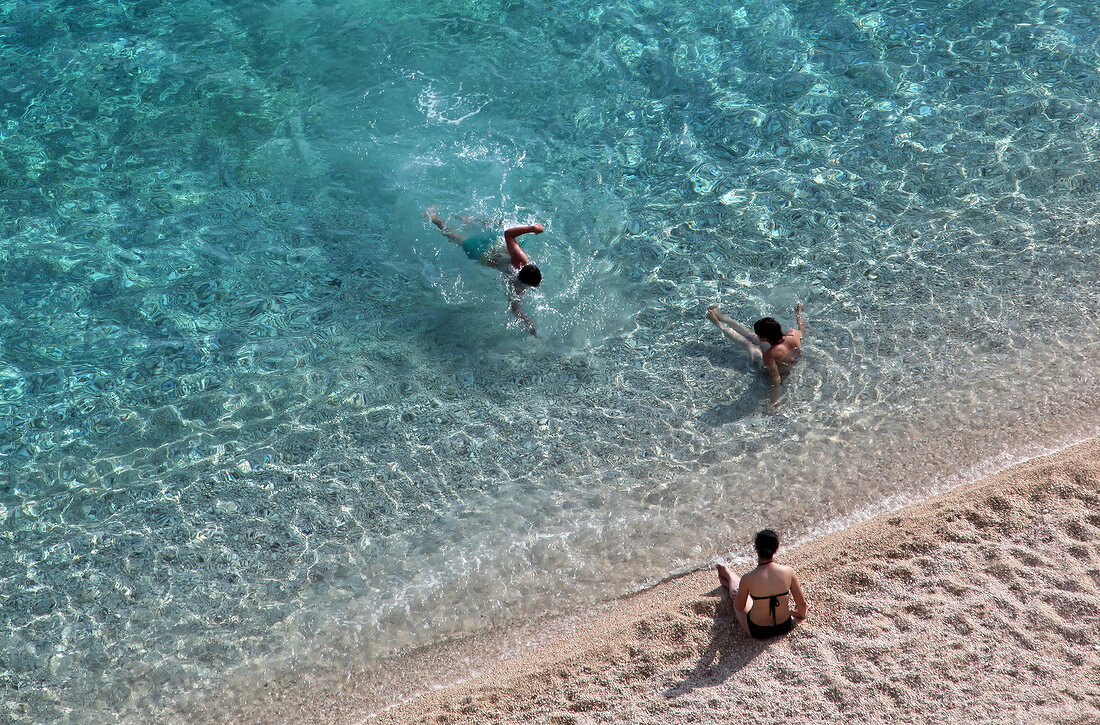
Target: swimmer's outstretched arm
515,253
798,318
518,312
515,295
773,372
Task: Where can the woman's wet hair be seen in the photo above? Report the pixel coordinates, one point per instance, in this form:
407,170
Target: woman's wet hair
767,542
768,329
530,275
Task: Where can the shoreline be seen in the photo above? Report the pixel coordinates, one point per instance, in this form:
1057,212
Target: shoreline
980,604
977,604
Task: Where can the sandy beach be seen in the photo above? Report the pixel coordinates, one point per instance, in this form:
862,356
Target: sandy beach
979,605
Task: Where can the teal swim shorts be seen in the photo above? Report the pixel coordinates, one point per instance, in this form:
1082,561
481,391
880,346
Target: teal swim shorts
476,247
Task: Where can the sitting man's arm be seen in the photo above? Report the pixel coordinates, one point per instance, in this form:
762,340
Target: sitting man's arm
801,607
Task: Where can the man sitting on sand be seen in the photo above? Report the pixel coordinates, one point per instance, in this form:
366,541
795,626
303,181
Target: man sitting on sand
759,598
509,258
770,348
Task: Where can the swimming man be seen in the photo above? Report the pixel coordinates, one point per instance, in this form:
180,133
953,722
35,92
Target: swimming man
509,258
769,347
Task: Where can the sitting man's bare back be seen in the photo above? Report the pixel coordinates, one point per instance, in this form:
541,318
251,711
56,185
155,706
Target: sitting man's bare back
771,348
760,598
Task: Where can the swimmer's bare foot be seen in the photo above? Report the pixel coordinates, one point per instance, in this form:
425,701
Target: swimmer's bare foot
431,215
712,313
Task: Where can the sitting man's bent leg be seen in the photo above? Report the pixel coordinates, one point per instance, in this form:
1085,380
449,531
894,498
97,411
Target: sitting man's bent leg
731,582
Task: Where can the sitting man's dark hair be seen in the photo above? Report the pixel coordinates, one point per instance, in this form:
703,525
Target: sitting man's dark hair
767,542
769,330
530,275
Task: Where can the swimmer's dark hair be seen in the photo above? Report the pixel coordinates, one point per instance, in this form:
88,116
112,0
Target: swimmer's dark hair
767,543
530,275
768,330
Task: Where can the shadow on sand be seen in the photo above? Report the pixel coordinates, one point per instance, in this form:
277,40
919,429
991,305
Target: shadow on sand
729,650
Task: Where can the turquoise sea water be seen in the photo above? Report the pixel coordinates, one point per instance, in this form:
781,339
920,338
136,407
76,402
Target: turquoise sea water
254,408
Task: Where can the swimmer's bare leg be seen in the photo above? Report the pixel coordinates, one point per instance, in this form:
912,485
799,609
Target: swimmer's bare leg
754,350
715,315
447,231
731,582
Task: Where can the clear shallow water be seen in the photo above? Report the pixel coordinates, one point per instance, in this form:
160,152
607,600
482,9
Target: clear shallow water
254,408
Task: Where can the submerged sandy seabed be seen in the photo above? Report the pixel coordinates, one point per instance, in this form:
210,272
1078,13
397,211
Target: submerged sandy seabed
979,605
